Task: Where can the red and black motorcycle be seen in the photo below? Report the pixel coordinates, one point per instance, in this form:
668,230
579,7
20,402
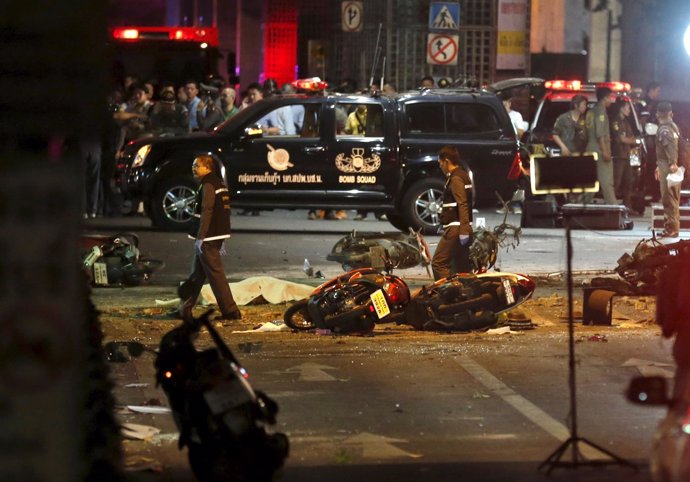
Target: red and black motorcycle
466,302
351,303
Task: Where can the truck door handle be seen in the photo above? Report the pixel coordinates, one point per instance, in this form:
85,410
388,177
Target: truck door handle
314,149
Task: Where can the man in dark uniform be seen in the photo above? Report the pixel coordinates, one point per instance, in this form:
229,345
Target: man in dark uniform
453,251
213,210
622,141
666,163
647,112
599,141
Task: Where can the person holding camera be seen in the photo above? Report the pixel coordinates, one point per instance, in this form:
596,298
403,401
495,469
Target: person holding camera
168,118
209,113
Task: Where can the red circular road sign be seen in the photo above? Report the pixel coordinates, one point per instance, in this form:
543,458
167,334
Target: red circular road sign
443,49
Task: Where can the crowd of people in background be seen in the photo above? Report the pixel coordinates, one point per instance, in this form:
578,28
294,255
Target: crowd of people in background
140,108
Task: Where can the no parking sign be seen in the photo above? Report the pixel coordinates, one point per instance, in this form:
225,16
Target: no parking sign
442,49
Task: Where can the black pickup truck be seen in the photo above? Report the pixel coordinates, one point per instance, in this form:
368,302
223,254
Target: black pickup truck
390,166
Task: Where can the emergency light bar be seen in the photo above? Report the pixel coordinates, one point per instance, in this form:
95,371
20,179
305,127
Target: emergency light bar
315,84
563,84
208,35
616,86
576,85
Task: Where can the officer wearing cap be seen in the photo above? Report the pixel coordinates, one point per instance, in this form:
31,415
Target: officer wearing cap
666,163
569,128
453,251
599,141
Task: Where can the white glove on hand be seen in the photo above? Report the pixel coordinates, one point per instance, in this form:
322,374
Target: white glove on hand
197,246
464,239
222,251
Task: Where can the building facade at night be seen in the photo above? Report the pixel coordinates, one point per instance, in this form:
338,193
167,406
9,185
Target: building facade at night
637,41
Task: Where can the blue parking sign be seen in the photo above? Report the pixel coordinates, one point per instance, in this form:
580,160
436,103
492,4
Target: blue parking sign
444,16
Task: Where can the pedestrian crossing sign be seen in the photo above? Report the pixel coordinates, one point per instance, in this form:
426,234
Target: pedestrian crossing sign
444,16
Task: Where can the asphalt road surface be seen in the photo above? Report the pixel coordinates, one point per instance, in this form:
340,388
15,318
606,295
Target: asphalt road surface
276,243
401,405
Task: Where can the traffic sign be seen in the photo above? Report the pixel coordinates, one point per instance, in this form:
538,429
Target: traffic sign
444,16
352,16
442,49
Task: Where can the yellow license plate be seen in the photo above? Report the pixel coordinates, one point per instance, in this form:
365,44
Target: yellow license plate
380,305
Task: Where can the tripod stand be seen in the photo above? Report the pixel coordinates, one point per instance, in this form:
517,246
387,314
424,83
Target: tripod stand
578,459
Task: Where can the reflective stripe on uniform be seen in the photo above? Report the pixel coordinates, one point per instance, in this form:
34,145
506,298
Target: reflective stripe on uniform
449,205
222,189
212,238
468,186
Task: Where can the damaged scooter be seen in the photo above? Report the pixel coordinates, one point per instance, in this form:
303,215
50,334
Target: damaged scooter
116,260
377,250
351,303
467,302
220,417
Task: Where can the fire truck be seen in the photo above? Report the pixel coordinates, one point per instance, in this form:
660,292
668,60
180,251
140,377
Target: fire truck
174,54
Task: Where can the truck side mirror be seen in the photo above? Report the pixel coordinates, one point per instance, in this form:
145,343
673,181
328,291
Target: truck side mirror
253,131
647,391
650,129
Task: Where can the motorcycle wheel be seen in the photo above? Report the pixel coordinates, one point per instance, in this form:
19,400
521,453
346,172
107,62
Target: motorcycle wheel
257,461
297,316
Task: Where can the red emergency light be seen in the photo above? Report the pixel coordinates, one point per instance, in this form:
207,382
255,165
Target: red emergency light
563,84
126,33
616,86
314,84
208,35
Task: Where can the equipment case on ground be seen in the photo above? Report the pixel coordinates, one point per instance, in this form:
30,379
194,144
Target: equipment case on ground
596,216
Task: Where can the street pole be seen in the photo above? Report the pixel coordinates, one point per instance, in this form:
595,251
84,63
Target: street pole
609,26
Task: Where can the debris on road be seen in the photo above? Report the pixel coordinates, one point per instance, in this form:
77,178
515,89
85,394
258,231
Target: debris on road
148,409
137,431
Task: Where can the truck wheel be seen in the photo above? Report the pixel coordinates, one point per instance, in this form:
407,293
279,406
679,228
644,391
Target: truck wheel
421,205
172,204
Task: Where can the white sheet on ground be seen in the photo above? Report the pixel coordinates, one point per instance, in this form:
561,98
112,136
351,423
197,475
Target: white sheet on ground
272,289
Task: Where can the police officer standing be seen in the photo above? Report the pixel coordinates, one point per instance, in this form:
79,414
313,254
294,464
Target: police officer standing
647,111
213,210
622,141
599,141
453,251
666,163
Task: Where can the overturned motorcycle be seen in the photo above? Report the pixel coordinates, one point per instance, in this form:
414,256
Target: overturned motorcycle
220,417
381,250
351,303
467,302
116,260
642,269
357,300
